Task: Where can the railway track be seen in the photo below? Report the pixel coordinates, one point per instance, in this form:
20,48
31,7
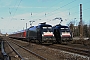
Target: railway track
23,53
5,55
50,53
81,51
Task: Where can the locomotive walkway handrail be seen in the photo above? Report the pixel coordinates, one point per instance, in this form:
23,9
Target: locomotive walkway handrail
6,57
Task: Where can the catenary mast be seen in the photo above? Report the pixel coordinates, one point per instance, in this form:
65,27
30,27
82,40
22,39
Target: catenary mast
80,23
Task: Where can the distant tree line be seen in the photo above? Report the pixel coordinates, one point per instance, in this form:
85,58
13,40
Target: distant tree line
76,30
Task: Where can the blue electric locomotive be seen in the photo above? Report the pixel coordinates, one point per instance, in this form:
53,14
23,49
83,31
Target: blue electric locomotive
62,33
42,33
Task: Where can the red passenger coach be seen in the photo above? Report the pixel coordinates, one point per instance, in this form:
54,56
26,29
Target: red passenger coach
24,34
19,35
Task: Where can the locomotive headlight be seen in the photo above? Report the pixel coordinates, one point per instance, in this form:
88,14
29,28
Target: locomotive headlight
61,35
42,34
70,35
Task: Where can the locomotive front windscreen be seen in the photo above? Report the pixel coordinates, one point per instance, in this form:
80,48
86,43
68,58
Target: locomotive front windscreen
65,29
47,29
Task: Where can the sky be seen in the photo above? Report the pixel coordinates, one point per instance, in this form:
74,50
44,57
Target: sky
14,14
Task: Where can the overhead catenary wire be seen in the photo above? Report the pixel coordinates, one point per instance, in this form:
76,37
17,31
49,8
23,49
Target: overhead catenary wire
58,8
70,8
47,9
66,5
16,9
52,12
12,8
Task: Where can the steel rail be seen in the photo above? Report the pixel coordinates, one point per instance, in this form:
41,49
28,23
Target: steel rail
31,52
6,56
15,51
73,49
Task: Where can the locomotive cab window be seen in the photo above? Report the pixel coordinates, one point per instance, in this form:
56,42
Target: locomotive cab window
46,29
65,29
